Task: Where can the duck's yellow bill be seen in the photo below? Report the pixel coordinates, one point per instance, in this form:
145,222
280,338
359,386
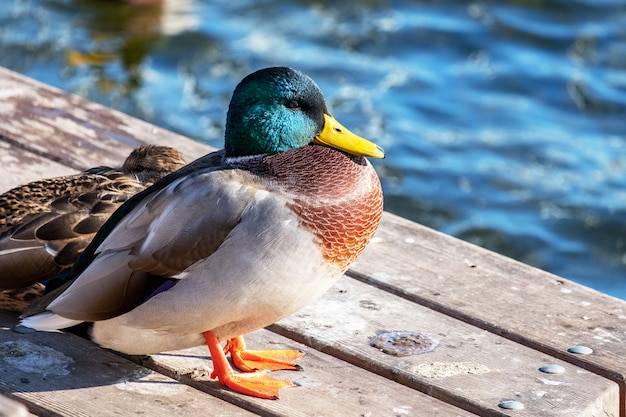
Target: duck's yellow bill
338,137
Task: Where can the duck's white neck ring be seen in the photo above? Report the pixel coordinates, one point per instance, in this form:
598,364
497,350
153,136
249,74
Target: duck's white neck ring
234,160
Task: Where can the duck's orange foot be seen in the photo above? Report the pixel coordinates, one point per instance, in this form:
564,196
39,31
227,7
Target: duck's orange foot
256,384
268,360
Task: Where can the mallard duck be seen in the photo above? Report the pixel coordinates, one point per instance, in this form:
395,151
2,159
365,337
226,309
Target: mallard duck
234,241
45,225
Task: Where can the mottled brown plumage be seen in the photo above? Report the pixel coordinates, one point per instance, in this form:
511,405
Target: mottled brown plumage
46,224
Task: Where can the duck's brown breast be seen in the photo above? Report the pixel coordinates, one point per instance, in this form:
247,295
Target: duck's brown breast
338,197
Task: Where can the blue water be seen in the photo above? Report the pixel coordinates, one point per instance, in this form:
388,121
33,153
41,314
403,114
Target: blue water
504,122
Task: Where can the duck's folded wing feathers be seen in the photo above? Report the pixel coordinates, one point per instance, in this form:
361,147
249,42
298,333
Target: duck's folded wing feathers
45,225
164,234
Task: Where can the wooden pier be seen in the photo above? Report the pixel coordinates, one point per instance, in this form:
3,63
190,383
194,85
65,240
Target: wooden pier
497,321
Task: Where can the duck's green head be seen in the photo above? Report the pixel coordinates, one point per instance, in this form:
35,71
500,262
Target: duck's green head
277,109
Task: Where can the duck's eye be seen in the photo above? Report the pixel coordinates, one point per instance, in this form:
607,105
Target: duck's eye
293,105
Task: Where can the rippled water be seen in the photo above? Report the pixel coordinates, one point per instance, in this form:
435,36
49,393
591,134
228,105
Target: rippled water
504,122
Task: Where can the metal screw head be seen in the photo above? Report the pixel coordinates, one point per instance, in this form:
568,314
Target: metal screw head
511,405
580,350
552,369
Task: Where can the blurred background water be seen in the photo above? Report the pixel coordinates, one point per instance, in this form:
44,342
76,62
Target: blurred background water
504,121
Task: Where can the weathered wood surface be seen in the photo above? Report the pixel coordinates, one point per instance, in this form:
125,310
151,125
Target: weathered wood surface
466,361
328,385
497,320
73,131
62,374
492,292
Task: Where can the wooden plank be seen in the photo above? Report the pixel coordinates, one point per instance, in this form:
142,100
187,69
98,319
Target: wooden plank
73,131
495,293
329,386
470,368
20,167
57,374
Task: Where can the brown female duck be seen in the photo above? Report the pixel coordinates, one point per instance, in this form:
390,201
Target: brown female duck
45,225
